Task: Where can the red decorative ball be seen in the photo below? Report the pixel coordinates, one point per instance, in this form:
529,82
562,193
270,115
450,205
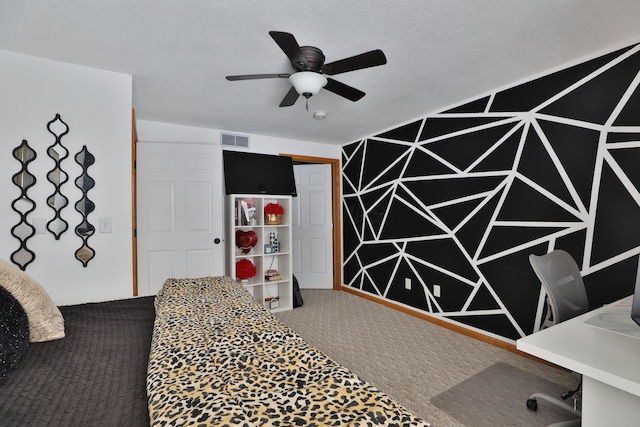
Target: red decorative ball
273,209
245,269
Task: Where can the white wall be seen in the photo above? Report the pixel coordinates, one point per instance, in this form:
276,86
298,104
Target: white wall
166,132
96,105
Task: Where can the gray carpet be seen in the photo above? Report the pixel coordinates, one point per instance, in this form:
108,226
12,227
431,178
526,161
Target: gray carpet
496,397
410,359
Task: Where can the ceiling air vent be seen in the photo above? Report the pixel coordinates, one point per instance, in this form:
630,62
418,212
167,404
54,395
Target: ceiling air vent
233,140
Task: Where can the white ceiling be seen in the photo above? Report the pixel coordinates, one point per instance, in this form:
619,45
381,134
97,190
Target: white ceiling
439,52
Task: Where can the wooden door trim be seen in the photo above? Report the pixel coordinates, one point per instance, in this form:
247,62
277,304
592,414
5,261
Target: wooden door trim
134,213
336,203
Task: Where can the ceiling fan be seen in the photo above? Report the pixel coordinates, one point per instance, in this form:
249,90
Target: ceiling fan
310,71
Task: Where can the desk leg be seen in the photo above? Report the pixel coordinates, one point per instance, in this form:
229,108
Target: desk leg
603,405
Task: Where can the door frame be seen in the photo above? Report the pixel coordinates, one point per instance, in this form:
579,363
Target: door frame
336,206
134,213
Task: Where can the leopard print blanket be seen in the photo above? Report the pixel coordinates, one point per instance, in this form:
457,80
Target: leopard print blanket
218,358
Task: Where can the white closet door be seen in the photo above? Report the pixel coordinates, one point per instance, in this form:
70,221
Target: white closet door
179,212
312,227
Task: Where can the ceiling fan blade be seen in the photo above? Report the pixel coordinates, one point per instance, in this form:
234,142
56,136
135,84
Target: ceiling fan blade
291,48
351,93
258,76
290,98
358,62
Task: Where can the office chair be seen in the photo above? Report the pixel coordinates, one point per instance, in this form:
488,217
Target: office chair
566,298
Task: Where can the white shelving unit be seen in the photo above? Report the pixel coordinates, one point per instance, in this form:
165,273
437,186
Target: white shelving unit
245,213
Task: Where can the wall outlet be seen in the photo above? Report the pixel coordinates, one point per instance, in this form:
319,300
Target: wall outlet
436,291
407,284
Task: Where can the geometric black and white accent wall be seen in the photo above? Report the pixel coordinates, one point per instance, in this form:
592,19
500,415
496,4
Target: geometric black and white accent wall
441,214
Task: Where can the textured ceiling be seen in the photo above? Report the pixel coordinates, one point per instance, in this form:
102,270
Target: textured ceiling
439,52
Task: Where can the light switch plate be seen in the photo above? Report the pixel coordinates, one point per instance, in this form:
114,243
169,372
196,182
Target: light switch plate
105,224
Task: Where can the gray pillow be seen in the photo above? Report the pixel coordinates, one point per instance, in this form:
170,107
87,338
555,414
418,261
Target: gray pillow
45,320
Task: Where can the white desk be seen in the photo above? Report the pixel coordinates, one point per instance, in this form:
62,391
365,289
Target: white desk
608,361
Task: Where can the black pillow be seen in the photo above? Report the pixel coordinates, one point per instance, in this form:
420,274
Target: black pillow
14,333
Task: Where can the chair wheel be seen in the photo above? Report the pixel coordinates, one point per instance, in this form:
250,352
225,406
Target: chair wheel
532,404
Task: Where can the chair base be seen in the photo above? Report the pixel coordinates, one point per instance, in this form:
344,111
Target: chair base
532,404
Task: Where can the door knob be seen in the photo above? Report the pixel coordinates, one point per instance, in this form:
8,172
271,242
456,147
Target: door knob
216,241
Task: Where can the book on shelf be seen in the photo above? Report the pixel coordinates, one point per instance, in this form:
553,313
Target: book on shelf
246,212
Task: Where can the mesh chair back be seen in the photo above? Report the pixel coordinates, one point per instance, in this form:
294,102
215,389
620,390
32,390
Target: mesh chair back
561,278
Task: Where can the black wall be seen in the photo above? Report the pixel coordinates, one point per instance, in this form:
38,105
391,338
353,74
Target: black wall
461,198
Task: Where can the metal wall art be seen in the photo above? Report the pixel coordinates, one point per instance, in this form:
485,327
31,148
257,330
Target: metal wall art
24,180
23,205
85,206
57,201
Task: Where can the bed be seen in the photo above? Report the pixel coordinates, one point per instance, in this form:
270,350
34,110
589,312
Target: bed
201,352
76,365
219,358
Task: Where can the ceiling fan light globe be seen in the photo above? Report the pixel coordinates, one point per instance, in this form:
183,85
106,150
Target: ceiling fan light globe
307,83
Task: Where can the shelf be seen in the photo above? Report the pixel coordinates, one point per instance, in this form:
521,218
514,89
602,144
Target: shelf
246,223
